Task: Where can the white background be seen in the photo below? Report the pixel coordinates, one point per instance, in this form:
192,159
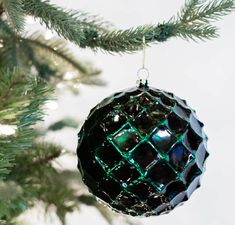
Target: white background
202,73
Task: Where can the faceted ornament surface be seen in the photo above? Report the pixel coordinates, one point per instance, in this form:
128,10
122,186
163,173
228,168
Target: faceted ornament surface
142,151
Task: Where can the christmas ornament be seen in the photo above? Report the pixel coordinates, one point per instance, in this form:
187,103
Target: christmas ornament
142,151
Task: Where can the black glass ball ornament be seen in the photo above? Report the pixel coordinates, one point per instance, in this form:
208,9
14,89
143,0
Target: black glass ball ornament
142,151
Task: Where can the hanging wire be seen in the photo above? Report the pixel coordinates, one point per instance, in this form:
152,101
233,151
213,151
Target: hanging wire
143,73
143,52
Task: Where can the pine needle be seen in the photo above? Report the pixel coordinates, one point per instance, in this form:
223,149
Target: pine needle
21,106
15,13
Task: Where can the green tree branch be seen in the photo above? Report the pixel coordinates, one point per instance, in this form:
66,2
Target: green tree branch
20,106
56,47
193,22
15,13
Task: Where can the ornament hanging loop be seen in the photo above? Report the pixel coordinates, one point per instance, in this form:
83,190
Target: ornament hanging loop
143,73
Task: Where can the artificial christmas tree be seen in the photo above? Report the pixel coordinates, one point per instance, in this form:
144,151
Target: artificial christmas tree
31,66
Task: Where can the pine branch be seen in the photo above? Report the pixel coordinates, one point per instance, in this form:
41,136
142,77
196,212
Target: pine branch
129,40
34,173
51,58
188,8
195,32
198,11
68,24
57,48
15,13
34,179
20,106
66,122
9,52
85,34
62,189
44,153
193,22
10,201
90,200
44,68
